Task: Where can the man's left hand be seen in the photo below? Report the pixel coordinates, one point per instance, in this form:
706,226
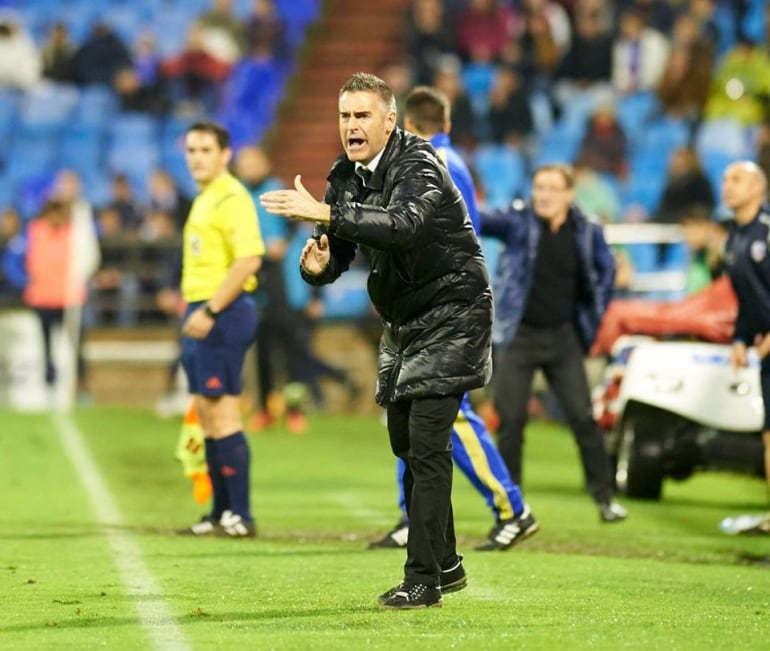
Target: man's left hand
296,204
198,325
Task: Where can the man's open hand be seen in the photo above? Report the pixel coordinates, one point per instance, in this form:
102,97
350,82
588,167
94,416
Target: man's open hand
295,204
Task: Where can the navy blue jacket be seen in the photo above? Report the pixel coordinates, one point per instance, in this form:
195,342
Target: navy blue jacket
519,230
747,260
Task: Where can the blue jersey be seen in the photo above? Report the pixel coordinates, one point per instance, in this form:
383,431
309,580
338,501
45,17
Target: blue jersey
460,174
748,265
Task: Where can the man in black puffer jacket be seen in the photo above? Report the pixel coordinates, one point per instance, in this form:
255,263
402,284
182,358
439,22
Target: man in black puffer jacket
391,197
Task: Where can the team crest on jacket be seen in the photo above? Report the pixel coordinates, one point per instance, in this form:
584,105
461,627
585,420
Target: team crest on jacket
758,250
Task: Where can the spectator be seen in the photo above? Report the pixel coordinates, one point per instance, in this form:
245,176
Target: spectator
685,84
60,255
266,32
595,195
556,24
222,32
604,146
10,228
165,195
430,35
195,76
146,59
587,66
449,82
540,51
741,85
657,14
687,188
57,54
114,287
20,64
639,55
126,205
763,149
485,26
100,57
137,96
510,115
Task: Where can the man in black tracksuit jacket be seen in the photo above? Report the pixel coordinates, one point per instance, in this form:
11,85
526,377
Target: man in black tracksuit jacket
391,197
747,261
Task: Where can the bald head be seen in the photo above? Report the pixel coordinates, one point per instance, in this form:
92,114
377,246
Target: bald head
743,188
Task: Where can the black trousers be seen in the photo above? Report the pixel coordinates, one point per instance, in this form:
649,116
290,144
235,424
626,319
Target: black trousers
420,433
558,353
48,318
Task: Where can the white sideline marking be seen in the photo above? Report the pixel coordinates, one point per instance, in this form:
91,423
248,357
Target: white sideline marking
154,615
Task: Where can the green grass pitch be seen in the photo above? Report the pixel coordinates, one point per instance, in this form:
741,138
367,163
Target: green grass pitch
87,565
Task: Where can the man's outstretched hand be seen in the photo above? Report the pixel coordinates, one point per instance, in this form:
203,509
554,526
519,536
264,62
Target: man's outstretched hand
295,204
315,255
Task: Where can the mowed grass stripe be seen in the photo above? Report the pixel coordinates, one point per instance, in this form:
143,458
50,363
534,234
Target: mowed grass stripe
154,614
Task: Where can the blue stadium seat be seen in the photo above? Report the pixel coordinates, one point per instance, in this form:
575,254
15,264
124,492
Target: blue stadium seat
82,149
715,163
48,105
502,171
9,108
635,111
96,106
132,129
725,136
136,161
643,256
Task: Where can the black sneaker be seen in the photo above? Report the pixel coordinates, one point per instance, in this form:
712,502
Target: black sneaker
507,533
611,511
207,526
410,596
452,579
394,539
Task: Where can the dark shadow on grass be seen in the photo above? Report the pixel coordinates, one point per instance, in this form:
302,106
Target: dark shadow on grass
200,616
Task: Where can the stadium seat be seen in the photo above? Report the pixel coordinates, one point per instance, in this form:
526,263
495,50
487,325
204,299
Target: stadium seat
502,172
635,111
48,105
725,136
97,104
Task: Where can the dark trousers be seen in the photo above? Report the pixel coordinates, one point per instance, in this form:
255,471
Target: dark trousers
50,317
420,433
558,353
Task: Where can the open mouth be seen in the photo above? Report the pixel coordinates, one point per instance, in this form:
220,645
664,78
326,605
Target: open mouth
355,143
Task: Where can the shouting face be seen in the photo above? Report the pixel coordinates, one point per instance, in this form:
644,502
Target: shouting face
366,123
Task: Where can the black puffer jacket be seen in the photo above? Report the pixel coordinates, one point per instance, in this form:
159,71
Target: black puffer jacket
427,279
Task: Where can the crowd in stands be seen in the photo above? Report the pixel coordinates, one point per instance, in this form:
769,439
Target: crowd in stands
650,99
102,91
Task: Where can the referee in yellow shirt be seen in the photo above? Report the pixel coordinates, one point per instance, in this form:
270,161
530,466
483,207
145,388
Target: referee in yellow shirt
222,253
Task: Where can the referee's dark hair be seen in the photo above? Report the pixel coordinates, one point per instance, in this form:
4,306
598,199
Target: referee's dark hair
217,130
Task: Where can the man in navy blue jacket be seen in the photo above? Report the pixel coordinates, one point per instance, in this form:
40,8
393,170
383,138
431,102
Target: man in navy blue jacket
744,188
554,281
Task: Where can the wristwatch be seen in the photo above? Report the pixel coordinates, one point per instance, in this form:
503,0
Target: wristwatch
208,311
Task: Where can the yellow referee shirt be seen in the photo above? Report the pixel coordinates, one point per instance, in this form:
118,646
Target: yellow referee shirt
222,227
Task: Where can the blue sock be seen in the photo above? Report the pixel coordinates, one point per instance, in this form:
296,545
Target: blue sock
218,487
234,461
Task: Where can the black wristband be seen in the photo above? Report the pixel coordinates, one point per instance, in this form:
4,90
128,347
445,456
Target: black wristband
209,312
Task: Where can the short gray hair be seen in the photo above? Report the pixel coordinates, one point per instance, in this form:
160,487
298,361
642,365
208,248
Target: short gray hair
367,82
